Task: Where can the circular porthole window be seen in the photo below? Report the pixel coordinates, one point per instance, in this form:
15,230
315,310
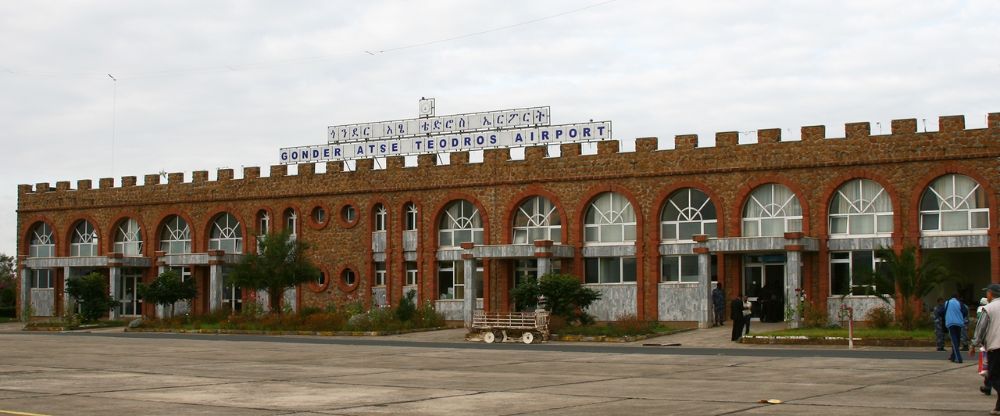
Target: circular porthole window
348,215
348,279
321,282
319,215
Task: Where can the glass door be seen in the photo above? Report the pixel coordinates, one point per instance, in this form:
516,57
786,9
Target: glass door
131,304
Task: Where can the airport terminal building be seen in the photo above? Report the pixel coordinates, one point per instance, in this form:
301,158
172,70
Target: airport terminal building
651,229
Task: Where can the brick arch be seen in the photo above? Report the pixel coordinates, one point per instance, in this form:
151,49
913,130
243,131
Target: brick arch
951,168
162,218
206,228
69,233
581,210
736,219
143,231
664,194
448,199
826,197
532,191
26,233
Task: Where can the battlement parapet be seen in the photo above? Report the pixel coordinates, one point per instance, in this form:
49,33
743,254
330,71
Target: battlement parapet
952,127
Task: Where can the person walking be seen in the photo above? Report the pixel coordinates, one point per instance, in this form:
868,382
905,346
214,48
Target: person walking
984,367
954,318
746,315
736,314
719,304
987,335
939,329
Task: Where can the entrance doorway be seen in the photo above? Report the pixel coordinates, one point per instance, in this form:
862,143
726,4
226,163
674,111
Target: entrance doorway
764,285
131,305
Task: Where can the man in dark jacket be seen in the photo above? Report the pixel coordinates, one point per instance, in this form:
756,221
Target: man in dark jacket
719,304
736,314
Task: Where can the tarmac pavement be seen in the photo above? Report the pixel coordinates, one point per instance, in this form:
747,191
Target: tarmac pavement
432,373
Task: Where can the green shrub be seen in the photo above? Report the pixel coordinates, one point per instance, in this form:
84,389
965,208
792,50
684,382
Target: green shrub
407,307
91,294
814,316
565,295
880,317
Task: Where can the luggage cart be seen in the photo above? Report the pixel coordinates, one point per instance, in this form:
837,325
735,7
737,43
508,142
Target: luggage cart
527,327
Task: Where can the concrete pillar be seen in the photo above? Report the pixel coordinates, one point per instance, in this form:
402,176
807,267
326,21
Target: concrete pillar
114,278
215,286
25,293
66,301
705,318
469,304
544,266
161,312
793,272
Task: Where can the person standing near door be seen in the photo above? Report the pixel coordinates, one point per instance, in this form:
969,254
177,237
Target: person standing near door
746,307
719,304
736,314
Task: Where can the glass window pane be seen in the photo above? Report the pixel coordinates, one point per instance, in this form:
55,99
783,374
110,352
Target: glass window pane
980,219
590,234
689,268
592,270
750,228
863,224
610,270
670,269
770,227
840,278
711,229
520,236
688,229
929,222
838,225
628,269
629,233
884,223
556,235
954,221
444,239
611,233
668,231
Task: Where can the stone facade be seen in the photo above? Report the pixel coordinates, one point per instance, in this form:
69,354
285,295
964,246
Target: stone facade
904,162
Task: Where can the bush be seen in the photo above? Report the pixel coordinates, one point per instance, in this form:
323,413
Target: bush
407,307
91,294
565,294
814,316
880,317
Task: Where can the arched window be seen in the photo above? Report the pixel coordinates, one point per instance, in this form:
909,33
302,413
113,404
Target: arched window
954,203
688,212
610,219
128,238
83,240
771,211
860,207
42,244
263,222
291,221
411,216
537,219
226,234
460,223
175,236
381,217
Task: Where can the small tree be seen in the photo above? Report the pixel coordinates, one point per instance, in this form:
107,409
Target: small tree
7,284
167,289
564,293
281,264
906,278
91,294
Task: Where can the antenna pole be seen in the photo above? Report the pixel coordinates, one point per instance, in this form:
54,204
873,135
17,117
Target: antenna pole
114,120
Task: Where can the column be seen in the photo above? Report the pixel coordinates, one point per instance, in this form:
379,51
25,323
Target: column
215,285
469,300
114,277
704,289
793,290
160,268
543,256
25,293
66,301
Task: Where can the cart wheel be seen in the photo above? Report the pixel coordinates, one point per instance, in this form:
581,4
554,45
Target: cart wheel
488,337
527,337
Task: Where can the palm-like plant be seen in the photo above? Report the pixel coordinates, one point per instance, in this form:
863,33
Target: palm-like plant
905,277
282,263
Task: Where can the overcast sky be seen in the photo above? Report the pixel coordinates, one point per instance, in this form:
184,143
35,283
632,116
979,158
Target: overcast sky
209,84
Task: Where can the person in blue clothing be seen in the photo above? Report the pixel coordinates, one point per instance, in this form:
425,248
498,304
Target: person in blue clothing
955,313
719,304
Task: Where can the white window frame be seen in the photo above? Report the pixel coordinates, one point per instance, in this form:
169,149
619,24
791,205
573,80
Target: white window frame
40,276
876,262
606,219
83,241
42,243
467,221
602,279
686,214
772,211
226,234
379,274
457,269
537,216
411,216
678,275
175,235
953,203
291,222
381,218
411,273
128,238
861,206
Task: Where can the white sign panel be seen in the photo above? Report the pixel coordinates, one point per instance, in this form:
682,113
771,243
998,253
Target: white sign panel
443,141
456,123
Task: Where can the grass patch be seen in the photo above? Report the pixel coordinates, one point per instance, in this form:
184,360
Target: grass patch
6,320
864,333
624,326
